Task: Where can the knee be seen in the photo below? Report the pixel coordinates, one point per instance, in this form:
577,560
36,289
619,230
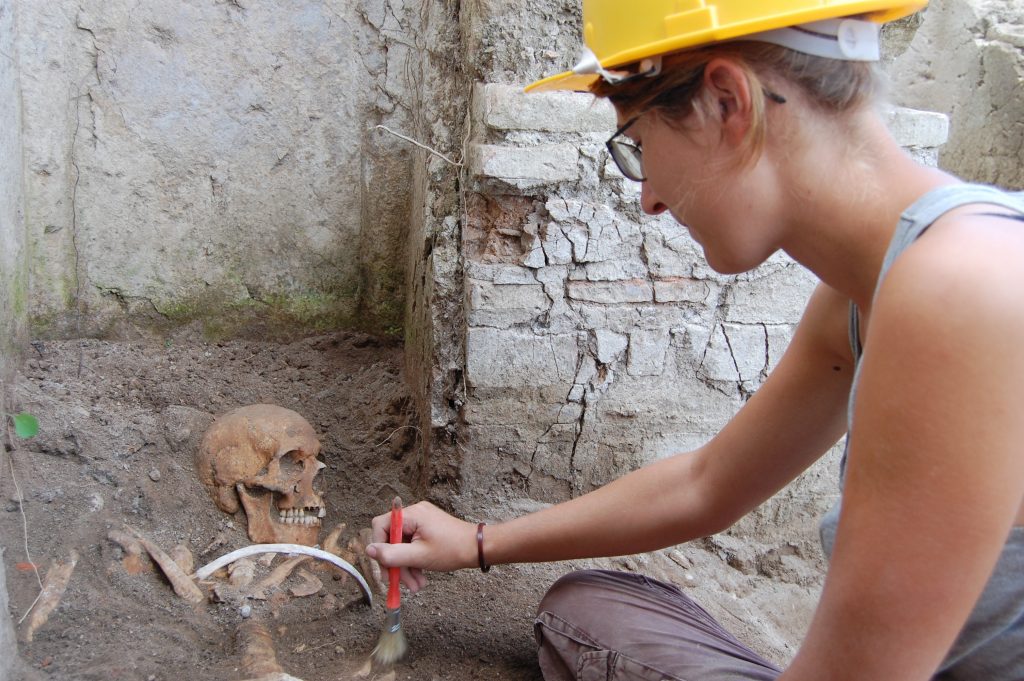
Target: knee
570,593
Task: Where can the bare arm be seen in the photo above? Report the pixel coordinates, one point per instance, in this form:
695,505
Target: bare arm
796,415
935,474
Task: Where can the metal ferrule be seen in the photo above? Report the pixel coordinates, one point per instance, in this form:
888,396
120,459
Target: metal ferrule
393,620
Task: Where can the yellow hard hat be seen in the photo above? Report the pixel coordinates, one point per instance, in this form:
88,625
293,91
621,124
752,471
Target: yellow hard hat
617,33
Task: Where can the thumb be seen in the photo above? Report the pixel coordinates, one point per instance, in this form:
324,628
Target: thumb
388,555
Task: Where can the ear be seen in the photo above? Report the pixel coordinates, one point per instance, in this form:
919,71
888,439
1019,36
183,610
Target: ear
728,87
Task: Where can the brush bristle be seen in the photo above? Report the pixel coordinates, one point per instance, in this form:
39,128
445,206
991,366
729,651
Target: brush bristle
392,646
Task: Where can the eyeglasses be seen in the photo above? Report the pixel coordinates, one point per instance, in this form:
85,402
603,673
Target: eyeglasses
629,156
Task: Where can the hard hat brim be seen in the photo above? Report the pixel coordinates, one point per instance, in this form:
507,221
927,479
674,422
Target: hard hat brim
569,80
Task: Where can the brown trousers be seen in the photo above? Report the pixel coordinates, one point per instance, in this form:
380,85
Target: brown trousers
601,625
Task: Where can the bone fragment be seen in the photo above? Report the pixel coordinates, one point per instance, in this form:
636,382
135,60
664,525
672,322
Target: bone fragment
225,593
132,561
279,574
241,572
367,669
369,567
310,585
181,555
57,578
332,542
258,656
210,568
183,586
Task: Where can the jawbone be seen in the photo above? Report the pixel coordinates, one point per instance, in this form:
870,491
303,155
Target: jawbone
268,526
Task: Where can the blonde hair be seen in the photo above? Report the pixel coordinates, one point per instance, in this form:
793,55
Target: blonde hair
831,85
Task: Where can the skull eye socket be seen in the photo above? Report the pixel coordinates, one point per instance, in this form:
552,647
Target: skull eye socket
290,467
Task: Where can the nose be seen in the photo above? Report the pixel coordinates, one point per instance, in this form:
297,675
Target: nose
649,202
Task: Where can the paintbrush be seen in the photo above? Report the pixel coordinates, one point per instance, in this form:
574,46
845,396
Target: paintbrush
392,646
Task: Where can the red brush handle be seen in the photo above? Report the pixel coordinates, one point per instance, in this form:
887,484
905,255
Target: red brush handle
394,574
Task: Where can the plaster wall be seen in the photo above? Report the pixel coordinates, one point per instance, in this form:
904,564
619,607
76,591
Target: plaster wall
217,161
13,282
967,60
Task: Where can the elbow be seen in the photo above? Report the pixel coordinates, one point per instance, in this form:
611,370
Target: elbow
714,507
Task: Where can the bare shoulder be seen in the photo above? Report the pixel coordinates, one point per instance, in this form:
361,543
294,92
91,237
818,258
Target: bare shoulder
965,270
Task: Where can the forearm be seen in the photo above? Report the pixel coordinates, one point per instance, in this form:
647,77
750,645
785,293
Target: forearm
656,506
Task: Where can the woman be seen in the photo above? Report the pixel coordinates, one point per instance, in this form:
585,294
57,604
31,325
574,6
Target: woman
755,127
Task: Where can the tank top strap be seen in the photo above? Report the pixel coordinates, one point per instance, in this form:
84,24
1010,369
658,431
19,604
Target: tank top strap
926,210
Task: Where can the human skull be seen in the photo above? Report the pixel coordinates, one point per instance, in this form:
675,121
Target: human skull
265,456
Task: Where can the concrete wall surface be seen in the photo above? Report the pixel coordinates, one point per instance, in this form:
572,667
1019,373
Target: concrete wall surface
13,280
967,60
218,161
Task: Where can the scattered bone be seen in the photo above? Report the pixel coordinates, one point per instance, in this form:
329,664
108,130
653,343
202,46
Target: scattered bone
183,586
133,561
208,569
257,646
369,567
261,589
310,585
225,593
57,578
332,542
267,559
367,669
181,555
241,572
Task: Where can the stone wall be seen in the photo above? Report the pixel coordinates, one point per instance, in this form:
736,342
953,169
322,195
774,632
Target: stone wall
967,60
597,337
218,161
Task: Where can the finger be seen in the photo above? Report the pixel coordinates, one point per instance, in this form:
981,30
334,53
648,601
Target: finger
388,555
380,526
419,576
411,583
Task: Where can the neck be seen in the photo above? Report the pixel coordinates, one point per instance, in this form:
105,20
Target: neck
847,201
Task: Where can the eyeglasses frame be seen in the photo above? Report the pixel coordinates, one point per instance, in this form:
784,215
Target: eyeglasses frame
620,149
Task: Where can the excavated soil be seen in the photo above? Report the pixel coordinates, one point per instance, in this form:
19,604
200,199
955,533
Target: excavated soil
120,424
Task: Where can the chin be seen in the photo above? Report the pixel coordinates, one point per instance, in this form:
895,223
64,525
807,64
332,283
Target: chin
730,263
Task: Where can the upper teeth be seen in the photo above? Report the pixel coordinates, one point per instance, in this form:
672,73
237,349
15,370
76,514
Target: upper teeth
302,516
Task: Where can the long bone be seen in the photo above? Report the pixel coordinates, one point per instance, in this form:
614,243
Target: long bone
255,549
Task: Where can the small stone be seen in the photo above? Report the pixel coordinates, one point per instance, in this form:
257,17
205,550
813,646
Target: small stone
154,475
245,611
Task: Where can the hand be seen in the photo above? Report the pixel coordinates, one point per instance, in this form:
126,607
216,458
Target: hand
432,540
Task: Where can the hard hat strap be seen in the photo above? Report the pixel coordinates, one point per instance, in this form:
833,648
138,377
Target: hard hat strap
589,64
844,39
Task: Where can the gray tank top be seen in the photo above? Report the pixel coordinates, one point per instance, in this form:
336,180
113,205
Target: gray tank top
991,645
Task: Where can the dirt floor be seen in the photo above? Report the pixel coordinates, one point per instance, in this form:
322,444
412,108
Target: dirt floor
120,424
